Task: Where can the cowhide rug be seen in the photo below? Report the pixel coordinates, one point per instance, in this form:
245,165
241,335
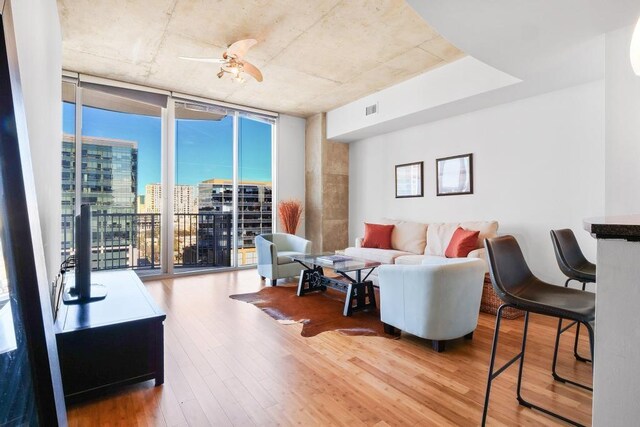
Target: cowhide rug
318,311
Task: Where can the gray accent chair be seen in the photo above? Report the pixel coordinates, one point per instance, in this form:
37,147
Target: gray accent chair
438,300
274,251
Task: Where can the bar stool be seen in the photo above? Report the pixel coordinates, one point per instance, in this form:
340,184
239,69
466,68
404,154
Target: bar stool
517,287
575,266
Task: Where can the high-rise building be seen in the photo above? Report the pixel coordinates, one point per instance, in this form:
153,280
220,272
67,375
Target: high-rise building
185,199
215,196
141,205
109,184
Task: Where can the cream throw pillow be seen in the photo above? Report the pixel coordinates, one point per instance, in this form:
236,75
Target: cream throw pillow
438,237
487,229
409,237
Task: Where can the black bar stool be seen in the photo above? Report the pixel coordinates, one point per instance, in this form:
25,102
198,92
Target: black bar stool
517,287
575,266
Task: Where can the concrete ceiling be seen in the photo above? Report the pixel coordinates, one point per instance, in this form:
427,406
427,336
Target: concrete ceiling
545,45
315,55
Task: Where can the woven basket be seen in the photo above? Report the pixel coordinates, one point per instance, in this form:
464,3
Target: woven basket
491,302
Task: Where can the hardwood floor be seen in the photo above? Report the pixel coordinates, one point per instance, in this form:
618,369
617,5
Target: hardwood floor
228,363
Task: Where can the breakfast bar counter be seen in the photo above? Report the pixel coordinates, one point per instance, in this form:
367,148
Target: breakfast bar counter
616,380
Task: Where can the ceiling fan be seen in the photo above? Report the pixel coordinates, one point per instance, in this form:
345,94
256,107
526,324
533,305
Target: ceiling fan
232,61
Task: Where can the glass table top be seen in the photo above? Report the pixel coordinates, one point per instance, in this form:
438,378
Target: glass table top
339,263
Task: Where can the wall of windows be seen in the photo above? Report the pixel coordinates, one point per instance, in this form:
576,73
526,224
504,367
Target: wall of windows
160,168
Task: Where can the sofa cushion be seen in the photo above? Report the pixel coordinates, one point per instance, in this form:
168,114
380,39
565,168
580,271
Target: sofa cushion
487,229
385,256
438,237
408,236
377,236
462,242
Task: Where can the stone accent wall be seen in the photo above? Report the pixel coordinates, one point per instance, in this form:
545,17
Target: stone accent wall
327,188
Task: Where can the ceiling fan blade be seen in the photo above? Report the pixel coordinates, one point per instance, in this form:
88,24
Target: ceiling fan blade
240,48
209,60
252,70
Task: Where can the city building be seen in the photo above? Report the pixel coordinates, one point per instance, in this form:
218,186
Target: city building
141,203
185,199
254,214
109,185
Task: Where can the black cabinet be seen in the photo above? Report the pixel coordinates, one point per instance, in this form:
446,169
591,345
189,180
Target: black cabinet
111,342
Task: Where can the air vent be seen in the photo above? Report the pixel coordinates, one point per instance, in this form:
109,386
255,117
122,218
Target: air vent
371,109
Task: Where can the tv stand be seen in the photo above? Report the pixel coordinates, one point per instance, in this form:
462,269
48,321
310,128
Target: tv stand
98,292
111,342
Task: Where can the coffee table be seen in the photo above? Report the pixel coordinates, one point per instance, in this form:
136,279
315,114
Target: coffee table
359,291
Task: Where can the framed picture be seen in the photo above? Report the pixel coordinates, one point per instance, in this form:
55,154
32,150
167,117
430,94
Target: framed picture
409,180
454,175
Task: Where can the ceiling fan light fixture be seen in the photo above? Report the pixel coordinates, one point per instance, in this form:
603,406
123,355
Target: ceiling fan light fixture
232,62
634,50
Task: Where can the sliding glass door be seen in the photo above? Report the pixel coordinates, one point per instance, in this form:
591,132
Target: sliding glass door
203,191
255,185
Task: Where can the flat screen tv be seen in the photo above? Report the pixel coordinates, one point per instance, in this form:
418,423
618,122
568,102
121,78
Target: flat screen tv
83,290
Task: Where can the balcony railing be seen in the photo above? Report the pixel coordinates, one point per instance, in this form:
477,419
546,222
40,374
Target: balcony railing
202,240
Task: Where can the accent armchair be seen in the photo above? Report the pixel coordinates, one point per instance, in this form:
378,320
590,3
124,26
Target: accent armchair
438,300
274,251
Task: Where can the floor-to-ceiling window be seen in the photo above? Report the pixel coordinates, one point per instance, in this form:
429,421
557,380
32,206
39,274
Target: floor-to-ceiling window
203,191
255,187
216,161
121,164
118,162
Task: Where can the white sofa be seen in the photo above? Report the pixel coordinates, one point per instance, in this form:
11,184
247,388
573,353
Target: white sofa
438,300
274,251
413,242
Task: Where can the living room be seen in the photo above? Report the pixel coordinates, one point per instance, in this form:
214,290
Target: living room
188,122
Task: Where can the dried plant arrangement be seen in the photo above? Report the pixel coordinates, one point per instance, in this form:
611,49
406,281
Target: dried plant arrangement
290,212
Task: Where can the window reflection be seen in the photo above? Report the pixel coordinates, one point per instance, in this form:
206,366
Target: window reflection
7,330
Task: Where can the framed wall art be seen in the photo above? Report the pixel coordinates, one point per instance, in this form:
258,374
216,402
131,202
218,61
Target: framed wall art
454,175
409,181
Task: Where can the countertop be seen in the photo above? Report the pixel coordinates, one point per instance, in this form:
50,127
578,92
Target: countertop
625,227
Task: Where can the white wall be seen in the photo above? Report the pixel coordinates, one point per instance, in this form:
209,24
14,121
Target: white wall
413,98
39,45
290,163
622,126
538,165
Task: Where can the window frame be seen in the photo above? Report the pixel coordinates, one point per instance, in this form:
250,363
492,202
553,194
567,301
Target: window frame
167,159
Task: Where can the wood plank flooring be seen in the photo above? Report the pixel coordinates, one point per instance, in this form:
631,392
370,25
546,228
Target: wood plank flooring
228,363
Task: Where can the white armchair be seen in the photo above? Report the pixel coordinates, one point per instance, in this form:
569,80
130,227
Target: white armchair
274,251
438,300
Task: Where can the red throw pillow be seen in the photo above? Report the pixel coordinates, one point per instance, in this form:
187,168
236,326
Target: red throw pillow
462,242
377,236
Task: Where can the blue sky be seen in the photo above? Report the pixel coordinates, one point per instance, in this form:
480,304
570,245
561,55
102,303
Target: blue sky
203,151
